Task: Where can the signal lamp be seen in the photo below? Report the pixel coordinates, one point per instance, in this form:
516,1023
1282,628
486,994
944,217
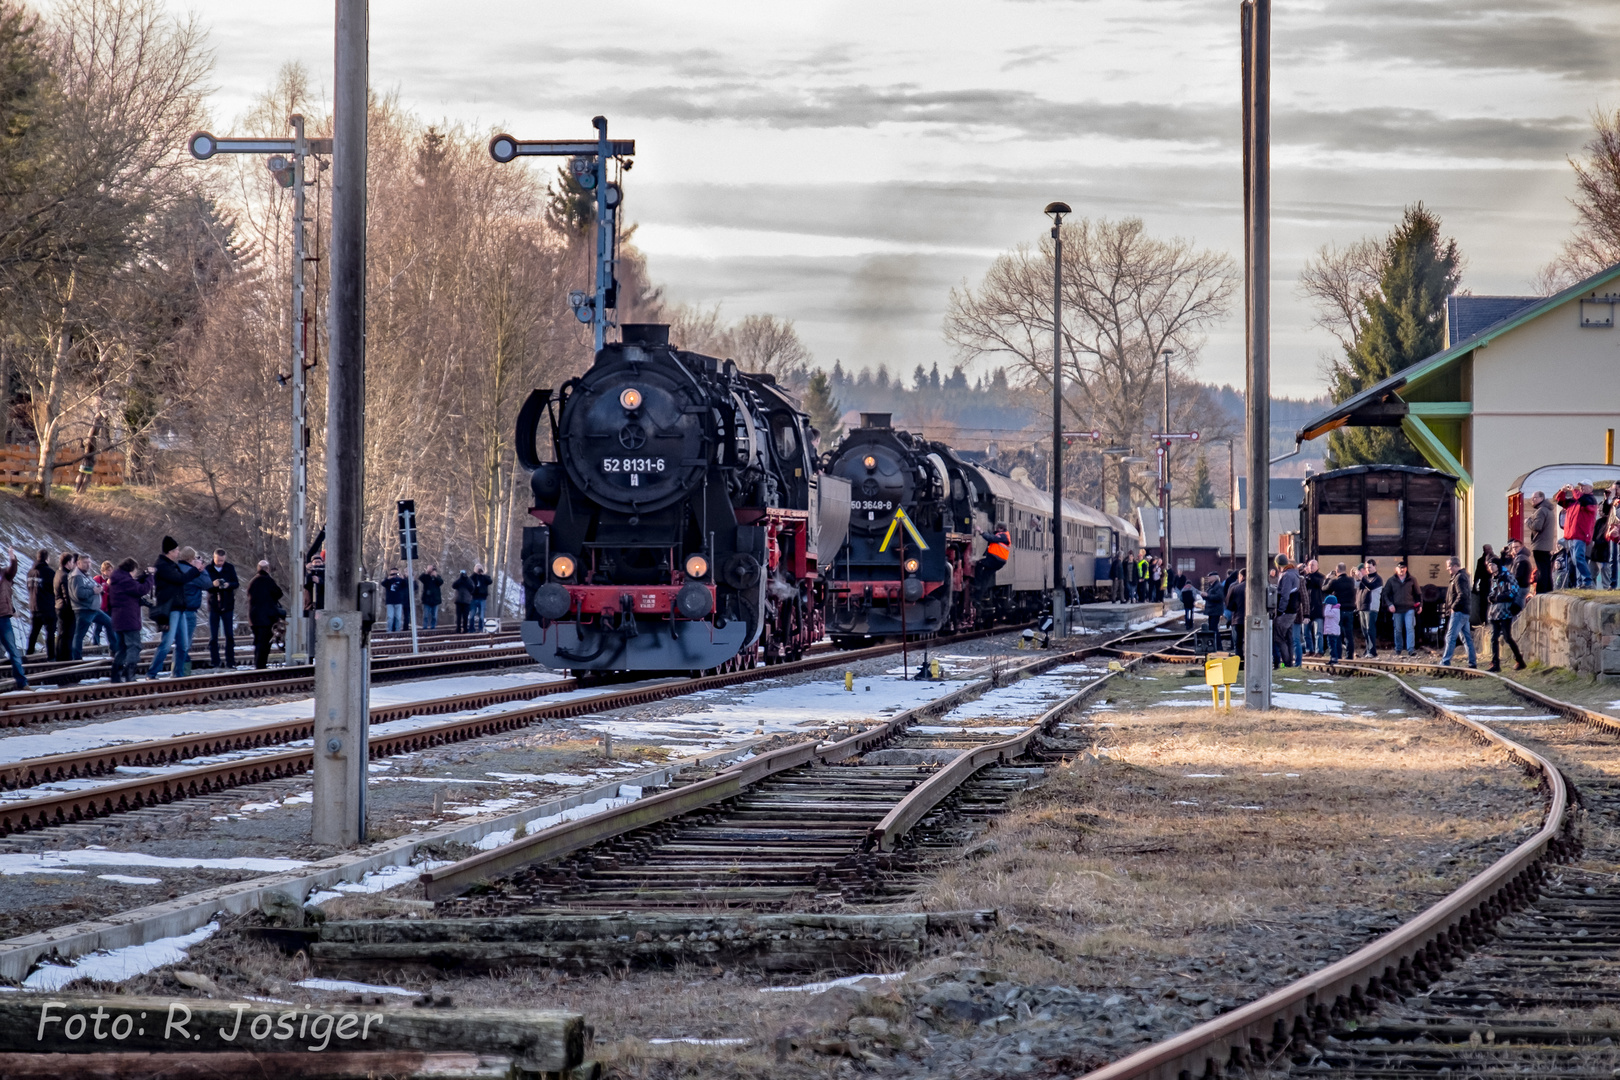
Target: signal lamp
562,566
696,566
911,566
631,398
870,462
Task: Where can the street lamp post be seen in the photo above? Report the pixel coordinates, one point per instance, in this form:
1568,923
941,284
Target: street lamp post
1055,211
1164,480
290,171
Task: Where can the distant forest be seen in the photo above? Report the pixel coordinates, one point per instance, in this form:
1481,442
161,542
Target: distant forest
989,413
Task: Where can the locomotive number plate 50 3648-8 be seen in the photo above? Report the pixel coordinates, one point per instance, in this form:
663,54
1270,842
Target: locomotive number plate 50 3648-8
632,465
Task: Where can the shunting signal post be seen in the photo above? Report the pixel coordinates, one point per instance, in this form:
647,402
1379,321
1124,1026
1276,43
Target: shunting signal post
289,162
589,163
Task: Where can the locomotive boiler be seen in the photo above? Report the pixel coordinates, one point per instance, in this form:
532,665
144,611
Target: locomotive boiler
678,517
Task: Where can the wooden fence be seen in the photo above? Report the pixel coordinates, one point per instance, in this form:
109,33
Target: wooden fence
19,465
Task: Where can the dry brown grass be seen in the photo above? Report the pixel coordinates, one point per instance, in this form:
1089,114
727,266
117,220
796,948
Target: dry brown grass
1106,878
1132,860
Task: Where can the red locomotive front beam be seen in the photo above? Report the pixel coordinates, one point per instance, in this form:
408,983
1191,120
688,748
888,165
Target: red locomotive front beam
644,599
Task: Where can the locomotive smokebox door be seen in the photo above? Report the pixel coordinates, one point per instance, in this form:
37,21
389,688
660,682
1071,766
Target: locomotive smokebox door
536,554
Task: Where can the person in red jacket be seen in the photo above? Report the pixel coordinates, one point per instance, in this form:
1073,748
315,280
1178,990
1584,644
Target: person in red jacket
1580,518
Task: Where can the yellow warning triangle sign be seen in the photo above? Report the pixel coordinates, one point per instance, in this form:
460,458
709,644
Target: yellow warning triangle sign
899,518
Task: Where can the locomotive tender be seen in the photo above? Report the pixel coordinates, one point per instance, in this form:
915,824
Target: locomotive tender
876,591
680,515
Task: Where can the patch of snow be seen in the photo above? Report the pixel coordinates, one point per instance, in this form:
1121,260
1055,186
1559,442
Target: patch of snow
1440,691
821,987
117,965
562,779
698,1042
125,879
376,881
1314,702
1205,776
502,837
344,986
34,861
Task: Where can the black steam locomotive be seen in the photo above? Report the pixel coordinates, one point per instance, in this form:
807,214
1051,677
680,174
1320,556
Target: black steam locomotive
883,582
679,516
887,580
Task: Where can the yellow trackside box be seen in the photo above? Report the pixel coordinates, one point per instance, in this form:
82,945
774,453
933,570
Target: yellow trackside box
1221,670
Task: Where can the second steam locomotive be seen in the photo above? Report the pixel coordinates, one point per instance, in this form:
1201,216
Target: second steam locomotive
934,576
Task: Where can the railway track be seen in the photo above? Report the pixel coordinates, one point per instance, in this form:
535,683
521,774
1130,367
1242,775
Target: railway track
82,701
861,819
45,673
1535,933
264,763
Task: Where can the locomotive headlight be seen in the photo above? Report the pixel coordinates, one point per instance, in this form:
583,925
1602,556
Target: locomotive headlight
562,566
911,566
696,566
630,398
870,462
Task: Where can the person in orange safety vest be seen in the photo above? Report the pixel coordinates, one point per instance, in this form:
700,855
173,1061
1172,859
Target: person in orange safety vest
996,556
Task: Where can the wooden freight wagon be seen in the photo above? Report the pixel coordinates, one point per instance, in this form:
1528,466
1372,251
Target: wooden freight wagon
1386,512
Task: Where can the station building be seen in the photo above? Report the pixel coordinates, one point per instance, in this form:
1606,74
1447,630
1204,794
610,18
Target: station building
1524,382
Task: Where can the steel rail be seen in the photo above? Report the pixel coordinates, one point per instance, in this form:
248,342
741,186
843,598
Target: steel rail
1570,709
84,702
937,788
1251,1036
105,799
571,836
56,673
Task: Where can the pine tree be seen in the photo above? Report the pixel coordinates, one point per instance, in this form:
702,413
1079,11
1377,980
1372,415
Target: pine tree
1403,322
1203,492
822,406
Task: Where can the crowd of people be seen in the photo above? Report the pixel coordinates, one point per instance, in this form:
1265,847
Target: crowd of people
1571,541
1138,580
71,598
471,592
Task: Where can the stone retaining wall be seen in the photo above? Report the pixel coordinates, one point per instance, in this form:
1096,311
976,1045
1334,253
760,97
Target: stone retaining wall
1562,630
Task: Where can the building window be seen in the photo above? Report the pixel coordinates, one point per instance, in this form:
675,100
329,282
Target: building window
1186,565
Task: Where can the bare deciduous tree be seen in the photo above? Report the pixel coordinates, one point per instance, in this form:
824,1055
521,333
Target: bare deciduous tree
1338,281
82,244
1595,244
1127,297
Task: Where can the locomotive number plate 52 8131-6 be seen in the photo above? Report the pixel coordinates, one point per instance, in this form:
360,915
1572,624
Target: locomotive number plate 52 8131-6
632,465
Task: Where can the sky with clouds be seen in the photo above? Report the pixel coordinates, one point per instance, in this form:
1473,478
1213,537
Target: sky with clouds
846,164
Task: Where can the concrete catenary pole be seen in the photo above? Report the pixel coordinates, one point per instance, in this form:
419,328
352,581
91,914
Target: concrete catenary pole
1256,19
342,670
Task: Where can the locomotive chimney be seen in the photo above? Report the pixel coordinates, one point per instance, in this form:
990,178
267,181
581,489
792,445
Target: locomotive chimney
875,419
645,333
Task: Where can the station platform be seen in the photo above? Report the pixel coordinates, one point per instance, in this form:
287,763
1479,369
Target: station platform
1113,616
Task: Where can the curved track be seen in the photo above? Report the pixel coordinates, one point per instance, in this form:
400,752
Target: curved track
1294,1023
